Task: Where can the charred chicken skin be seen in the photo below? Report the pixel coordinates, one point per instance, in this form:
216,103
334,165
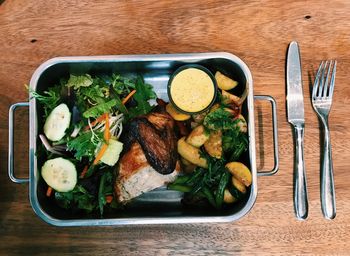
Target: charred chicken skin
149,156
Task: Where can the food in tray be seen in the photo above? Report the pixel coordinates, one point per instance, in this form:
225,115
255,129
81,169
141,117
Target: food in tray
150,155
224,82
192,89
210,151
60,174
105,144
57,123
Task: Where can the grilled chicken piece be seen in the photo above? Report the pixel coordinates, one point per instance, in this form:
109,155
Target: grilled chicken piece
136,175
155,133
149,157
160,119
159,146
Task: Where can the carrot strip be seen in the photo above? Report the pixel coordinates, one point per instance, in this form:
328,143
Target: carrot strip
97,120
83,173
49,191
100,154
107,133
125,100
109,199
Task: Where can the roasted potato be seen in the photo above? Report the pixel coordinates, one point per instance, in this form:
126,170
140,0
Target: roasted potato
178,116
197,137
229,98
242,124
224,82
185,162
214,144
214,107
228,197
240,172
239,185
191,153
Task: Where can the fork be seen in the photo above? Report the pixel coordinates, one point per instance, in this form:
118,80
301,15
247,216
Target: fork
322,94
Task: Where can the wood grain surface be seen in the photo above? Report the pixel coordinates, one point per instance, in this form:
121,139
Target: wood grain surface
256,31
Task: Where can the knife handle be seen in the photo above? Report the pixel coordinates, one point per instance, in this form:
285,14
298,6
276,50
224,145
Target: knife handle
300,190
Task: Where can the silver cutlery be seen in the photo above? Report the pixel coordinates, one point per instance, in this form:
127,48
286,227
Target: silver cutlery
322,94
295,113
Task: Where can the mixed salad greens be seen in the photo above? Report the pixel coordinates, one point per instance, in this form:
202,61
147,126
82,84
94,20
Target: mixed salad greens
84,117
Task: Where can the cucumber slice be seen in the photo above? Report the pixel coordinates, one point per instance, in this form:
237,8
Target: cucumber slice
60,174
111,156
57,122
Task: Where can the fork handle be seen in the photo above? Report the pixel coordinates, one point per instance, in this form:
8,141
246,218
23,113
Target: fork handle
300,190
327,183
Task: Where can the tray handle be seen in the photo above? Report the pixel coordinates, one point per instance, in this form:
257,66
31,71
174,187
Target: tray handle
275,134
11,174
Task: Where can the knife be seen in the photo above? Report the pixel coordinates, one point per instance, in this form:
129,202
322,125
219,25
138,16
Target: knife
295,113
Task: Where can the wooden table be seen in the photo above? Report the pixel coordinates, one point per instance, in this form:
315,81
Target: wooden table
258,32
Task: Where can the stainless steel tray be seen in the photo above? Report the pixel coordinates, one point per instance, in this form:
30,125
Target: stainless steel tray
160,206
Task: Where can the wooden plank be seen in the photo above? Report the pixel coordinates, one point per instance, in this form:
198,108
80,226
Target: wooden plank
258,32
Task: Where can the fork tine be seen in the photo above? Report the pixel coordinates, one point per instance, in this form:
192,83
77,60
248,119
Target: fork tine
320,88
331,88
317,79
325,87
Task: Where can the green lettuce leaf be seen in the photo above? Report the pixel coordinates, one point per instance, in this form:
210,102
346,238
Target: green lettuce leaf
85,145
79,81
79,198
49,99
122,85
100,109
144,92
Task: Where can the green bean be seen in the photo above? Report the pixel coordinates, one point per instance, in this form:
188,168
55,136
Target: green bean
101,196
195,175
234,191
219,197
209,195
182,179
179,187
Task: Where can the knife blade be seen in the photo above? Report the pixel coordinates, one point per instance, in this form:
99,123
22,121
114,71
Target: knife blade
295,113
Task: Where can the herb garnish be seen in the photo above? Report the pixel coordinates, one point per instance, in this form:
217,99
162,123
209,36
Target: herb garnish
144,93
49,99
85,145
234,142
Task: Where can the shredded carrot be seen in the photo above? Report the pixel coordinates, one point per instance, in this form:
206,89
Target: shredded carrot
100,154
97,120
107,133
125,100
109,199
49,191
83,173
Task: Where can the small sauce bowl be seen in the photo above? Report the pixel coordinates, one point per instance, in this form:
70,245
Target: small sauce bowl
192,89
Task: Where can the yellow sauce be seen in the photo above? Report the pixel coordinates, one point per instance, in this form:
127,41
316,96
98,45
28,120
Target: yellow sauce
192,90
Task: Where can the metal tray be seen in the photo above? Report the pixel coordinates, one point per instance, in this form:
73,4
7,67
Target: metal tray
160,206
